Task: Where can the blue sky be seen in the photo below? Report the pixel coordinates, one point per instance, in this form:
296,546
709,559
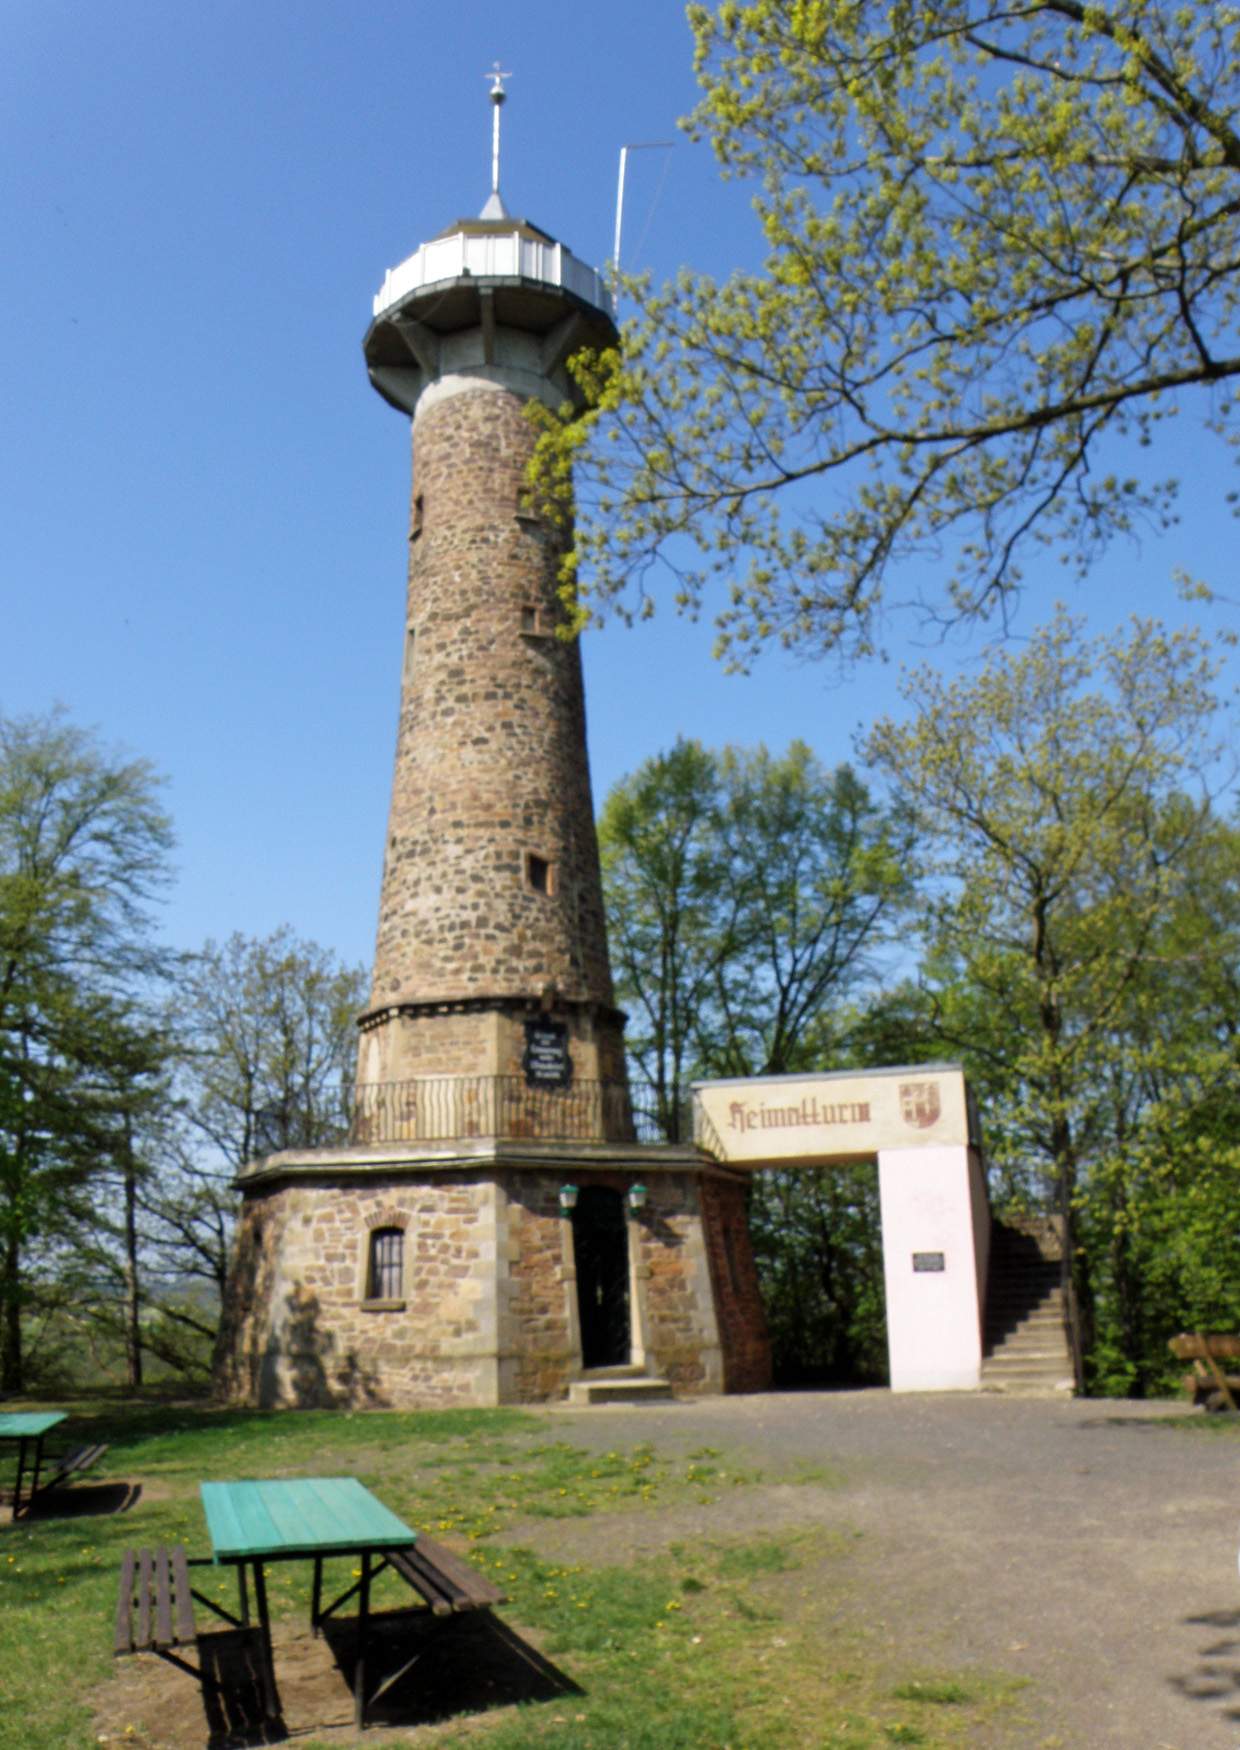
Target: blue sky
204,503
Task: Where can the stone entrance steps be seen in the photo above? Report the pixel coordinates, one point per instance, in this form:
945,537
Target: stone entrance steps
1026,1351
618,1385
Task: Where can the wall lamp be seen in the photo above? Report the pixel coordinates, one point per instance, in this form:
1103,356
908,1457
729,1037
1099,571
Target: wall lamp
568,1198
637,1197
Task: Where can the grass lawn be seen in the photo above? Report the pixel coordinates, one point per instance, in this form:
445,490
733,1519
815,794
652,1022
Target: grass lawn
749,1641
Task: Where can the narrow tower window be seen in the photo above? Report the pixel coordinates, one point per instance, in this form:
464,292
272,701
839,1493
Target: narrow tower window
415,520
410,639
385,1272
535,623
540,873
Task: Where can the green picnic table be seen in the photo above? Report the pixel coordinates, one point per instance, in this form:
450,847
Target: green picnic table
299,1518
27,1428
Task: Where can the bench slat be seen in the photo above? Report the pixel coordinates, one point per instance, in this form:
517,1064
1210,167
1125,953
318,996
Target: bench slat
163,1600
70,1463
186,1630
475,1585
443,1579
145,1577
1199,1346
426,1583
154,1607
124,1605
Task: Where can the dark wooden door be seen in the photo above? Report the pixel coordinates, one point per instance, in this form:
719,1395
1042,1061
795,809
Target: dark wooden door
601,1244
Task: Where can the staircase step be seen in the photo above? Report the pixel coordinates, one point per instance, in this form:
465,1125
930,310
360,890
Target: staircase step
1026,1345
619,1388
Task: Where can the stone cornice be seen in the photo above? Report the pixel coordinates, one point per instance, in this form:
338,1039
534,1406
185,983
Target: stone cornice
522,1004
572,1155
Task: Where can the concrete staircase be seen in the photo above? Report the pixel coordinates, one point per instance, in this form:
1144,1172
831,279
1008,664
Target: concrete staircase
1026,1351
618,1385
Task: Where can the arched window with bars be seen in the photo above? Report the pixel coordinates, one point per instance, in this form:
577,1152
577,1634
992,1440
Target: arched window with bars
385,1264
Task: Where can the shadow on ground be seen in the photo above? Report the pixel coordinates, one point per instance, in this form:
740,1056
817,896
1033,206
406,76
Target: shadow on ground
1216,1677
84,1501
457,1665
450,1667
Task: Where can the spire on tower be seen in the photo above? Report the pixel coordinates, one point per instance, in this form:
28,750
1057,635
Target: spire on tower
495,208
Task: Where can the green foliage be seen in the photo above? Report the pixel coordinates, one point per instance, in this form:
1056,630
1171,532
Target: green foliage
270,1042
1081,886
1001,250
266,1042
84,850
818,1248
747,895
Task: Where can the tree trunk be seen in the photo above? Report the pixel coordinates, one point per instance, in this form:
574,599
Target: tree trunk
133,1321
11,1361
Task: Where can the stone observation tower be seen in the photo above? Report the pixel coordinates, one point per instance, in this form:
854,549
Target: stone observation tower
491,941
491,1230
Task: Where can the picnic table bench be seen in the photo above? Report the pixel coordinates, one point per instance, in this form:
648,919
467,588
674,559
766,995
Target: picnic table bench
155,1605
442,1580
27,1429
1208,1381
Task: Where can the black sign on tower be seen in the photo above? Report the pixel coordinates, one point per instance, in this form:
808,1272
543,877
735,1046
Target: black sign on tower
546,1061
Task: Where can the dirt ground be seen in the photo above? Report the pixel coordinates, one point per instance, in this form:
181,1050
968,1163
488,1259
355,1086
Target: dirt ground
1085,1546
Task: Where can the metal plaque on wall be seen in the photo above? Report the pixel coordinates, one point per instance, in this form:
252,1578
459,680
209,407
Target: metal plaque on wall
928,1261
546,1061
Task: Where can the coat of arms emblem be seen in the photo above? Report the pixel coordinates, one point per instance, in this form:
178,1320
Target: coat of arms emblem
919,1103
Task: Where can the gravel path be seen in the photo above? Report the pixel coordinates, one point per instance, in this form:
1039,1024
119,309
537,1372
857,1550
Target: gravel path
1084,1545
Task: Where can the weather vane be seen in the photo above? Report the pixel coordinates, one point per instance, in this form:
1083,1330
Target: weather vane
498,96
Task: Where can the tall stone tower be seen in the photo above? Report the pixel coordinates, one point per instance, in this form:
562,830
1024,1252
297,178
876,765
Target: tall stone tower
491,914
491,1230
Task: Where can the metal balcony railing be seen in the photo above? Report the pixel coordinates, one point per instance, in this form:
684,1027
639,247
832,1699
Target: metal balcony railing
441,1108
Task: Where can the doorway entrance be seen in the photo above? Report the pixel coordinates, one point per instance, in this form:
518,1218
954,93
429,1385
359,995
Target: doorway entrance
601,1247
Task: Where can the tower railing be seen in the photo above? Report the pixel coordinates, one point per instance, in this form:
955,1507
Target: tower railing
441,1108
510,255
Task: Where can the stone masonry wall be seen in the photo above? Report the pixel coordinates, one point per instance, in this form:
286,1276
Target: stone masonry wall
491,882
480,1040
678,1324
737,1293
298,1330
538,1323
488,1312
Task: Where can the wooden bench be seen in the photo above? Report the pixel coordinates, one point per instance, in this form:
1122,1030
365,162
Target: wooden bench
443,1580
445,1584
155,1607
155,1614
72,1464
1208,1381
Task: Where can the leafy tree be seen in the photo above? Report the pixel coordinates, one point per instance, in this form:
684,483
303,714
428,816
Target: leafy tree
1002,247
817,1245
266,1032
672,917
747,897
821,872
746,894
1061,796
84,848
1160,1218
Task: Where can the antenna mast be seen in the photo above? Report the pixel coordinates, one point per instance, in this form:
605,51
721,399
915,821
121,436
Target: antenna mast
498,97
640,146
